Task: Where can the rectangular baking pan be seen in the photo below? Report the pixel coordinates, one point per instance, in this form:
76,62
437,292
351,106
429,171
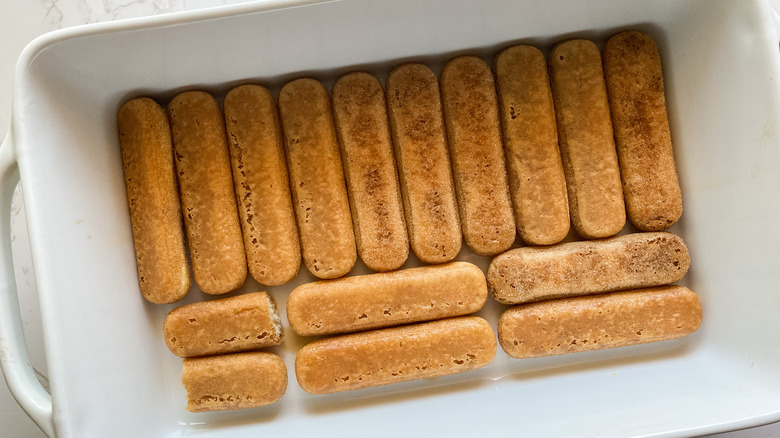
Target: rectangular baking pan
109,370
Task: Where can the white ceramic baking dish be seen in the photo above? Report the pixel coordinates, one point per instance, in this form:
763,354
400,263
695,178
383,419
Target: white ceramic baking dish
109,370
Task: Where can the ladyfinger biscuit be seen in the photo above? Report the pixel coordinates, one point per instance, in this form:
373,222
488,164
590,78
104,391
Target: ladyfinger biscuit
207,196
585,137
393,355
386,299
262,188
471,118
536,179
579,268
424,169
317,179
372,180
598,322
228,325
233,381
152,195
635,84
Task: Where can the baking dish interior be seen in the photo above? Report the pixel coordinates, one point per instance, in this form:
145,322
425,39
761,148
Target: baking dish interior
110,372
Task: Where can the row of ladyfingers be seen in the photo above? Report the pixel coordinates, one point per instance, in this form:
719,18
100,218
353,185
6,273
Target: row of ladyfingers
443,347
342,363
624,271
556,311
216,338
471,162
231,326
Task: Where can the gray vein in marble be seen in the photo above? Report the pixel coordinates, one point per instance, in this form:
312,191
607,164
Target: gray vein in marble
53,11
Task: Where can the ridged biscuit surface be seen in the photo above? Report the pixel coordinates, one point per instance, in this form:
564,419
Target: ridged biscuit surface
207,196
393,355
636,96
317,179
578,268
474,135
233,381
372,179
227,325
153,199
597,322
585,137
414,105
263,191
536,179
386,299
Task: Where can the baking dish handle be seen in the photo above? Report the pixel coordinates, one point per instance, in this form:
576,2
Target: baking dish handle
14,361
776,17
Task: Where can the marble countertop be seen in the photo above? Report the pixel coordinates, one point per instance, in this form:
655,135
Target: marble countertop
20,22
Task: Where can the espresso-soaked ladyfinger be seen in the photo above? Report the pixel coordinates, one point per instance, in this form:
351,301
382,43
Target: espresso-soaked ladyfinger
597,322
153,198
233,381
386,299
393,355
207,196
635,84
578,268
585,137
474,134
227,325
417,128
262,188
360,113
536,179
317,179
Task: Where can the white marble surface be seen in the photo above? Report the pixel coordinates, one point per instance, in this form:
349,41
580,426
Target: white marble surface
20,22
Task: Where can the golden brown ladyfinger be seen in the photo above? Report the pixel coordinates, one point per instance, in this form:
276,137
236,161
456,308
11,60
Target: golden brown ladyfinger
471,117
635,84
207,196
228,325
386,299
598,322
585,138
233,381
317,179
417,128
536,179
372,179
262,188
393,355
153,198
578,268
